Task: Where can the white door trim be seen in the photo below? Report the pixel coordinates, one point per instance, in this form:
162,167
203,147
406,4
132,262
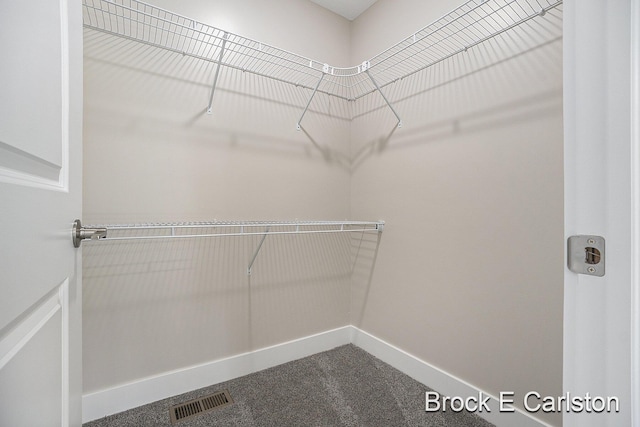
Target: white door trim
601,336
635,213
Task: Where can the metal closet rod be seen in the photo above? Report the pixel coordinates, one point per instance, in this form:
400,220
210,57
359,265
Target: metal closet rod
246,228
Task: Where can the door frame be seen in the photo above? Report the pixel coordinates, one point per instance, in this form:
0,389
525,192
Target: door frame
602,196
635,212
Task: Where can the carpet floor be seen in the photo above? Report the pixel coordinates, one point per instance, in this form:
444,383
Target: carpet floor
345,386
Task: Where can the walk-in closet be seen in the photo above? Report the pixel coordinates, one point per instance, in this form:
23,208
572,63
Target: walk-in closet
315,212
271,172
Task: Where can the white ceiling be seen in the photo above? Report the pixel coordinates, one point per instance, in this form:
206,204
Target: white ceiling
350,9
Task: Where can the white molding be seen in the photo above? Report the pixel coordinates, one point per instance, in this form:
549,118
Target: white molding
439,380
598,312
63,298
22,333
10,176
17,177
120,398
635,212
127,396
63,178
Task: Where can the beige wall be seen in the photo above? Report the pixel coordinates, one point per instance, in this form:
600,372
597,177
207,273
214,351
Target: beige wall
468,272
151,154
469,269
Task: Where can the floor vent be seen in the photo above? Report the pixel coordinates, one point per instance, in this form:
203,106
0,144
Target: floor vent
199,406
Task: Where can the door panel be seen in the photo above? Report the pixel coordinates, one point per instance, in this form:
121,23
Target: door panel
40,196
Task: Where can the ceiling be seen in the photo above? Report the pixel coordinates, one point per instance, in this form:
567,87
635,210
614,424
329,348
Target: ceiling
349,9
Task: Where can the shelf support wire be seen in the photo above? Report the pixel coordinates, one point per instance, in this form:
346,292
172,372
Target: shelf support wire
355,259
384,97
298,127
225,37
255,255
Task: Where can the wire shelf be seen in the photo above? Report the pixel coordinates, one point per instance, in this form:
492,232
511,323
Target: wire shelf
467,26
187,230
470,24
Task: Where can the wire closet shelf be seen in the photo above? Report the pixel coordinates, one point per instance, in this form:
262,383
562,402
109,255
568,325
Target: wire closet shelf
470,24
186,230
190,230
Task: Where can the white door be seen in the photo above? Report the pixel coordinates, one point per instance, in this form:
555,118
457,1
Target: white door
602,131
40,196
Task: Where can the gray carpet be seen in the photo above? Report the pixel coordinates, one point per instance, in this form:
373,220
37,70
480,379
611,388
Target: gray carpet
342,387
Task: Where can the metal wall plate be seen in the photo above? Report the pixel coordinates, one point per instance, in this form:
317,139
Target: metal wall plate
586,255
80,233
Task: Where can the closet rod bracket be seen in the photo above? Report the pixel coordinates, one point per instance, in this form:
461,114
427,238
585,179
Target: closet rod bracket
225,37
80,233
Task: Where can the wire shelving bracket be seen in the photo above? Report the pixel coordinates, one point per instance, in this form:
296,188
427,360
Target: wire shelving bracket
225,37
382,94
255,254
298,126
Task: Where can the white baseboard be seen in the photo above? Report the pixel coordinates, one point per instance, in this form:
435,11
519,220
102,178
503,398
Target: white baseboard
437,379
127,396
